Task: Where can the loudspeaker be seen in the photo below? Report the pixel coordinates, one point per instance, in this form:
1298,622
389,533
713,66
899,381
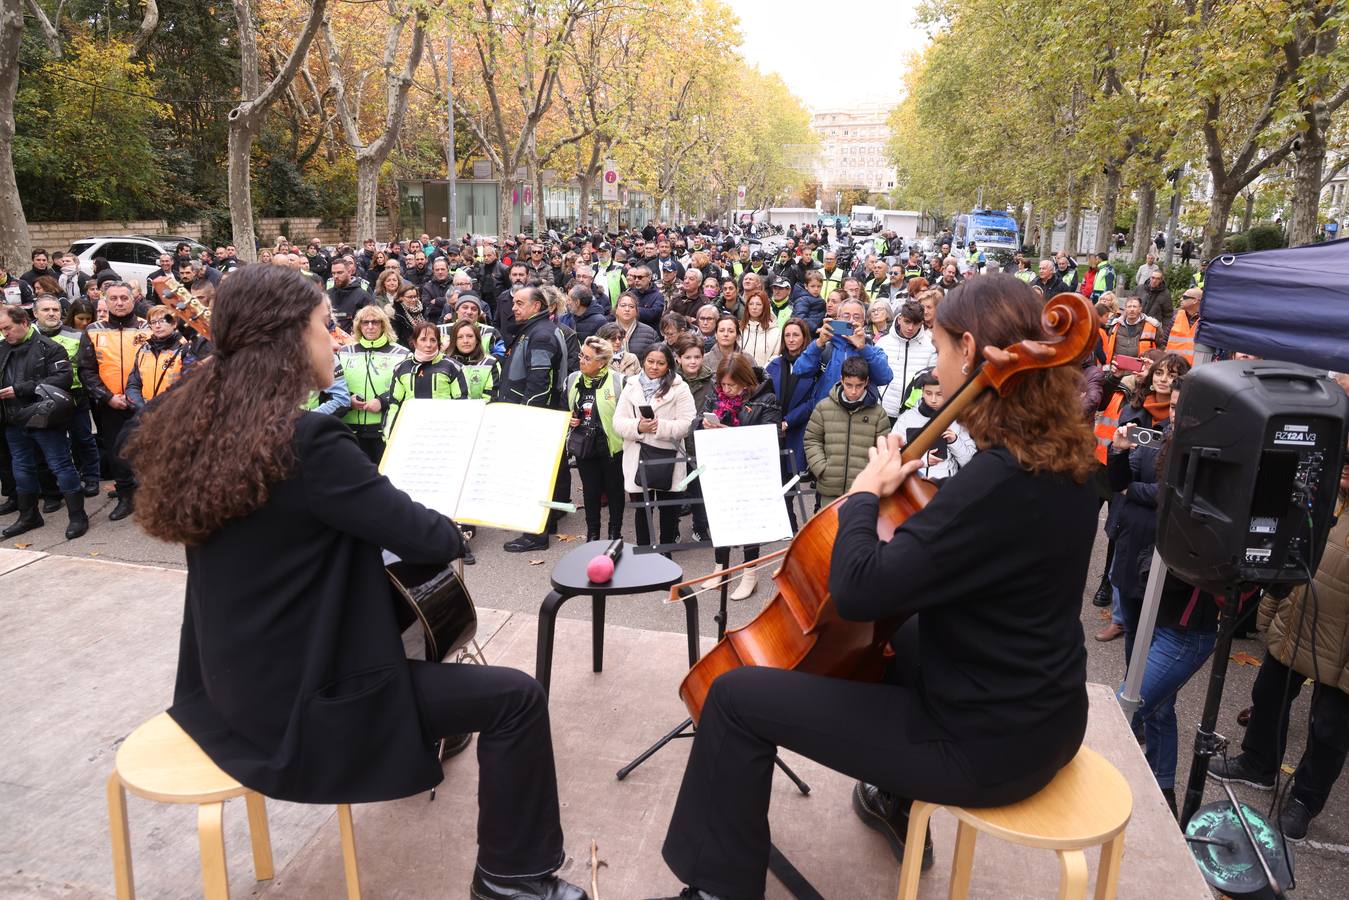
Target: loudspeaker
1251,474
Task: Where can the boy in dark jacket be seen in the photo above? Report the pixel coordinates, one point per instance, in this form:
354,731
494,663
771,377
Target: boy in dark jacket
842,428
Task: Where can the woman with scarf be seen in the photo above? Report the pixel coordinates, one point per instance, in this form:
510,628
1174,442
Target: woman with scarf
795,395
760,337
698,375
659,390
368,364
464,345
1148,405
738,399
592,397
725,340
160,361
407,313
637,336
730,300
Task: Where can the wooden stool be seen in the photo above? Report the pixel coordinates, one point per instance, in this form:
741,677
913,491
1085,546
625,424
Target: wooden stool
1087,804
158,761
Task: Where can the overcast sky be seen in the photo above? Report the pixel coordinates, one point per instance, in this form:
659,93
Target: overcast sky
842,53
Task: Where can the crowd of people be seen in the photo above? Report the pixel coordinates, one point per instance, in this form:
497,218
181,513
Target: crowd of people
645,337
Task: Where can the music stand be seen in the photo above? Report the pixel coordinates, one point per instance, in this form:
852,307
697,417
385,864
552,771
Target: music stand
685,729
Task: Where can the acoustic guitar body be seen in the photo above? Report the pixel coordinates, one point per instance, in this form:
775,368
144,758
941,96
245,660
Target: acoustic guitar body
794,632
434,597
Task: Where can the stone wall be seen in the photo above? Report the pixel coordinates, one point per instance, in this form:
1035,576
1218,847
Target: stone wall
60,235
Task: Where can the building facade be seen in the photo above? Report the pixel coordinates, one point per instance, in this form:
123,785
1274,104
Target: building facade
852,148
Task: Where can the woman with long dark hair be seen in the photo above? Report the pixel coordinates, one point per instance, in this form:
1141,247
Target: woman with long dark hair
464,345
1001,705
290,676
738,398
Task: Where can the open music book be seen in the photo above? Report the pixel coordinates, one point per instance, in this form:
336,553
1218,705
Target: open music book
480,463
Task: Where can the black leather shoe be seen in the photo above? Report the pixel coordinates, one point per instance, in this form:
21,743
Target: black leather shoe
126,505
1294,819
1102,597
51,504
469,558
526,543
79,522
90,487
693,893
890,816
455,744
8,506
549,887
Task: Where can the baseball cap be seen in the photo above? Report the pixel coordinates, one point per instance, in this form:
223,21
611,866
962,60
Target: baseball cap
778,282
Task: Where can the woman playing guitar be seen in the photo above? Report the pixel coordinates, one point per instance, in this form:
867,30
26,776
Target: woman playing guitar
986,699
291,671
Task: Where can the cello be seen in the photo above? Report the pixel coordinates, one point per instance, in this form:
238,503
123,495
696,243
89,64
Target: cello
799,627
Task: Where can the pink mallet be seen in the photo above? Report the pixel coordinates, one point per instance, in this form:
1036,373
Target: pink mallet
600,569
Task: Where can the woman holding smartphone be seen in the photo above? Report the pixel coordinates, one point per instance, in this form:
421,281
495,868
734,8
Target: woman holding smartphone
654,412
737,399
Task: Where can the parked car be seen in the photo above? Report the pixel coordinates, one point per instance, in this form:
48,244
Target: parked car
133,257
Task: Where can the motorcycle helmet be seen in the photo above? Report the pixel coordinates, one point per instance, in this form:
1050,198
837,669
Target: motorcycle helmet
52,408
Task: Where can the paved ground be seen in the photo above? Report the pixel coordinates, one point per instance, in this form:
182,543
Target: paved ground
519,582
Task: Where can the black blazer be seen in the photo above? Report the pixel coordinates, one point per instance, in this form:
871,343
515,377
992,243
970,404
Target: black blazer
291,671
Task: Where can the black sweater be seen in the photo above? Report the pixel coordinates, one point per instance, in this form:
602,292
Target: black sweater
994,567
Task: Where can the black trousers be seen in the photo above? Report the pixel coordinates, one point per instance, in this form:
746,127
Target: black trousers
1327,732
718,838
371,439
519,825
722,555
668,516
110,424
603,477
7,486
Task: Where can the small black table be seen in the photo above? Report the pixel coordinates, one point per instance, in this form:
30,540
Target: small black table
634,574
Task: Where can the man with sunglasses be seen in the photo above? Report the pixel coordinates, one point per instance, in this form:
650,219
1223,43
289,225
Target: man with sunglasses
537,266
650,301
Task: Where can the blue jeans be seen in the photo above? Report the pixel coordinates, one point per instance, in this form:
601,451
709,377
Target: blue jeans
1175,655
24,446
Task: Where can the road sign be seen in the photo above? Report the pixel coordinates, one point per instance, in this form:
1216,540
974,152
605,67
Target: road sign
609,190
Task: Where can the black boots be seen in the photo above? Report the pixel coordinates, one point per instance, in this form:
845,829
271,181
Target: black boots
889,815
29,517
8,505
125,504
546,887
79,522
90,487
51,503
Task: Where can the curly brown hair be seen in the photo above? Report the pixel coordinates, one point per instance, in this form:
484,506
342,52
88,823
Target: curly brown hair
1040,422
230,423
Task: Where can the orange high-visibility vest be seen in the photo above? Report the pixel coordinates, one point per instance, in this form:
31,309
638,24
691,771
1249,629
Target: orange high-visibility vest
1107,421
1146,341
1182,337
159,371
115,351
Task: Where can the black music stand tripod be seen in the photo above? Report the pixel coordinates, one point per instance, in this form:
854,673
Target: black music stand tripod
685,728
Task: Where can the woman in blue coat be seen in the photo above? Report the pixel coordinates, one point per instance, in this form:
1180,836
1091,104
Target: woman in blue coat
796,398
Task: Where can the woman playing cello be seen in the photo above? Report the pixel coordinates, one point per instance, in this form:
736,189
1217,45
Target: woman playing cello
986,700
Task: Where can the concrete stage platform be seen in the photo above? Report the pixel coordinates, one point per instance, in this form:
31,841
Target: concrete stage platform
89,650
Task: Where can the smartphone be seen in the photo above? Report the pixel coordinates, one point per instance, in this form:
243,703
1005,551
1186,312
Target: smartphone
1128,364
939,448
1143,437
646,411
711,419
841,326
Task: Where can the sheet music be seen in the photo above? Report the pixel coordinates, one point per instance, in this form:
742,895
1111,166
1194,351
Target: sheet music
522,447
742,484
429,452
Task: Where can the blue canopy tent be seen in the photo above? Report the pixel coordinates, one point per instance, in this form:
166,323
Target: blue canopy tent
1289,304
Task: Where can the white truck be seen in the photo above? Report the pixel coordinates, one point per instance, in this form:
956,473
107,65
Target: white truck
862,220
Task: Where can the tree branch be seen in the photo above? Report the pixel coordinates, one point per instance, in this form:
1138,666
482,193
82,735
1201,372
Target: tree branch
51,35
149,22
254,105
